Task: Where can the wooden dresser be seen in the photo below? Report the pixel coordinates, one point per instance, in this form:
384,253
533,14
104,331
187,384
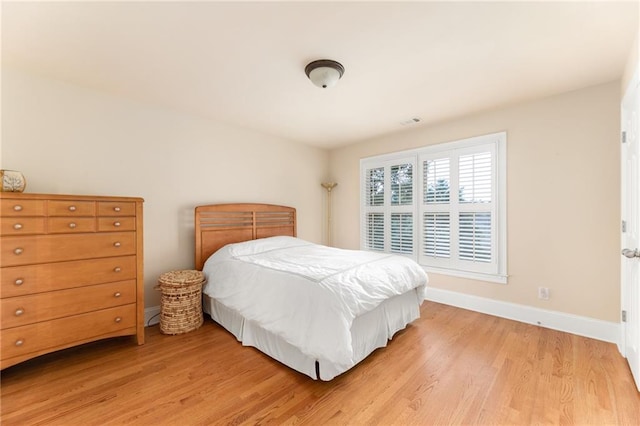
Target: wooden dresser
70,272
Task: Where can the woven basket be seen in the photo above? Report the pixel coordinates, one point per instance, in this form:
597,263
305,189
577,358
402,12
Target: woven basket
181,302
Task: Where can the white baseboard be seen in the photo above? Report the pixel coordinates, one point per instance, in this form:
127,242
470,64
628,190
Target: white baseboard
582,326
151,316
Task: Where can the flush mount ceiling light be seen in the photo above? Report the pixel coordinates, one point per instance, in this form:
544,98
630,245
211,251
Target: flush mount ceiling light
324,72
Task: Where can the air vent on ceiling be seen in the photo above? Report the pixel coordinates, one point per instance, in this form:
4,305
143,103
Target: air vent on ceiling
410,121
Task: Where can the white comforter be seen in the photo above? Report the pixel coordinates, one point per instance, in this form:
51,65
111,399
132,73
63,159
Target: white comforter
306,293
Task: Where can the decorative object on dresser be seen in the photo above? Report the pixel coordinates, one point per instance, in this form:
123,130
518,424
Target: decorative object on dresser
12,181
70,272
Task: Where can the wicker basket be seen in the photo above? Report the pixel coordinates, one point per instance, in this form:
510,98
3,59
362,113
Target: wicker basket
181,302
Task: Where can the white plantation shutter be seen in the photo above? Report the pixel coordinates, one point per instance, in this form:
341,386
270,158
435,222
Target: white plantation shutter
402,233
436,235
475,176
476,187
388,206
402,185
375,231
474,237
476,208
436,215
442,204
458,209
374,220
436,181
375,186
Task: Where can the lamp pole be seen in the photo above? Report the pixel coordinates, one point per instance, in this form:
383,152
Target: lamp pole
329,186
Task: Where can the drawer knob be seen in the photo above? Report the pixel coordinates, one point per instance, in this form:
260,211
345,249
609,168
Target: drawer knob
17,208
117,294
19,312
118,319
18,251
72,208
17,226
117,244
117,269
116,223
117,209
19,342
19,281
72,225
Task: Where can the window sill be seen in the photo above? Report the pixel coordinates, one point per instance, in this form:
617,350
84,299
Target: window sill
494,278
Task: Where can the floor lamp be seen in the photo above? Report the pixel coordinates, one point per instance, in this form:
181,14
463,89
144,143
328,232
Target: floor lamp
329,186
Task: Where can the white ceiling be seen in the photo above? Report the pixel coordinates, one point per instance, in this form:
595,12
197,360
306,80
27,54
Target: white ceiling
242,63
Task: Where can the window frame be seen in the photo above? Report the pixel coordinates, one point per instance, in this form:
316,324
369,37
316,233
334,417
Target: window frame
496,142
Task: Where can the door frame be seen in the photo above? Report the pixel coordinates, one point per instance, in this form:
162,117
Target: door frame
626,304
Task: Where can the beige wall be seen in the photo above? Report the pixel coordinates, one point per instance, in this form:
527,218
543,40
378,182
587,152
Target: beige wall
66,139
563,179
632,63
563,198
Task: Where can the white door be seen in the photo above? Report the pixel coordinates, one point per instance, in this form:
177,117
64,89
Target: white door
630,265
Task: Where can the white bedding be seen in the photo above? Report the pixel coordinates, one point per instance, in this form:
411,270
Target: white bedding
305,293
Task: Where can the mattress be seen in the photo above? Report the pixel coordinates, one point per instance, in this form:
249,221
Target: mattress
369,331
317,309
306,293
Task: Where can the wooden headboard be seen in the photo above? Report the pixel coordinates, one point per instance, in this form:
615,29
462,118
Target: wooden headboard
217,225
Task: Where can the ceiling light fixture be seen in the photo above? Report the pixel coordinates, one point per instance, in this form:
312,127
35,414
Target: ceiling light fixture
324,72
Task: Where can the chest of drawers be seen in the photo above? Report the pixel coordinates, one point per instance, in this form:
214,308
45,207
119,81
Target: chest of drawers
71,272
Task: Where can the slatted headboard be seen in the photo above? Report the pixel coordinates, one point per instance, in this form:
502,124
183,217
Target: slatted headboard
217,225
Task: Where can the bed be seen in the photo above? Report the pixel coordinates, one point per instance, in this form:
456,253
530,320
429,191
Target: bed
319,310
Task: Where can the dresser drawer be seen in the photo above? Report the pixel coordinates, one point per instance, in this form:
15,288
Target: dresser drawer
65,331
23,280
71,208
23,310
22,225
65,225
14,207
114,208
56,248
109,224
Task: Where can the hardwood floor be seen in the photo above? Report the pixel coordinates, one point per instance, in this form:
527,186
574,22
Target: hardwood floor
449,367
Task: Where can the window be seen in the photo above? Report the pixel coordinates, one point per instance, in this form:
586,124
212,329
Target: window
443,205
390,204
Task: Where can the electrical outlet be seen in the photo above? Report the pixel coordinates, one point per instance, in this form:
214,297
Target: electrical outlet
543,293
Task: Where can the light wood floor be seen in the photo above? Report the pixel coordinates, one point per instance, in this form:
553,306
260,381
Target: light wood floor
450,367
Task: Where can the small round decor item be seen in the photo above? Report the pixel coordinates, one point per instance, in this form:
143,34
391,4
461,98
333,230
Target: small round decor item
12,181
181,301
